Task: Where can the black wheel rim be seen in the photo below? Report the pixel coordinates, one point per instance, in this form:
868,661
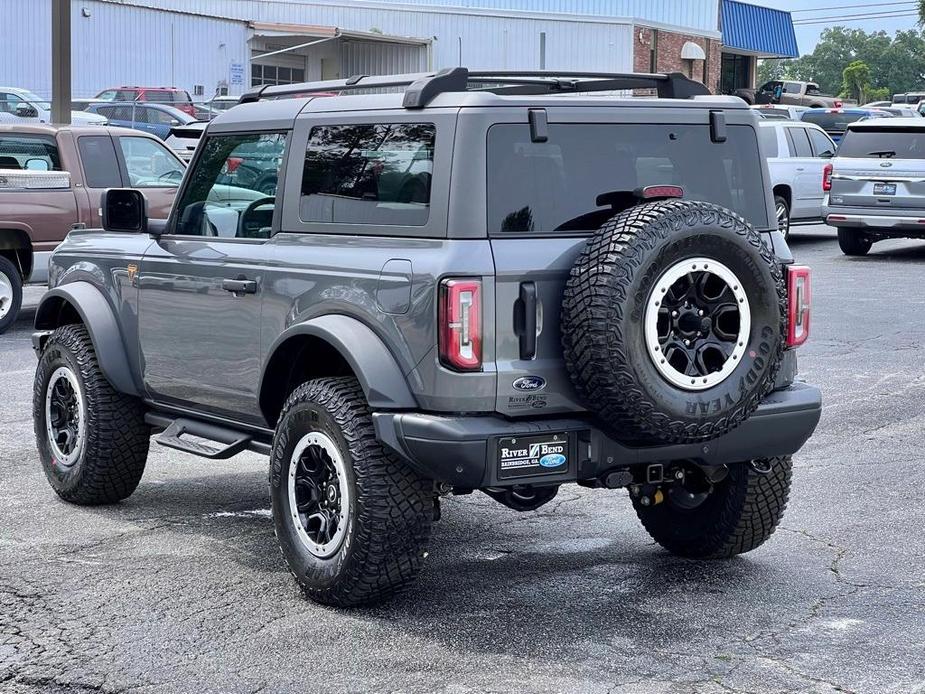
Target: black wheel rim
319,495
64,416
783,218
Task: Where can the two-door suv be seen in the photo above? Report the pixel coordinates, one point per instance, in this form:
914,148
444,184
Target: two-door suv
497,282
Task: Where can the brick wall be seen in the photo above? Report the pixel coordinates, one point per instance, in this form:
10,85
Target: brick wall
668,55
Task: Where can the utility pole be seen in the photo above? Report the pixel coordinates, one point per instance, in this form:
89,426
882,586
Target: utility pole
61,61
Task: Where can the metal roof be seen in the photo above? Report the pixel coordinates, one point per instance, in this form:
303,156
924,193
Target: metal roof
760,31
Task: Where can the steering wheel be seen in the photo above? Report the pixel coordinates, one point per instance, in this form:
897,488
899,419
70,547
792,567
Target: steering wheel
173,173
246,229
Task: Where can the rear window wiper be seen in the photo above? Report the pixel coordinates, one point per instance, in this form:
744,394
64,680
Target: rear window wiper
883,154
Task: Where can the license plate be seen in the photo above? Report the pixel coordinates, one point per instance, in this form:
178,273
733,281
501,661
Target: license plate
527,456
884,189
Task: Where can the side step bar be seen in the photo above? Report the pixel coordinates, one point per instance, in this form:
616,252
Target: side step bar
229,442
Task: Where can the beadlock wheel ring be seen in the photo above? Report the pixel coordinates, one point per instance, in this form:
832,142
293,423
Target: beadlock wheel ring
697,323
65,416
319,495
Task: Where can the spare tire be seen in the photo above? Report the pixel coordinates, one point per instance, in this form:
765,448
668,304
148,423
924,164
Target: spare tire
674,322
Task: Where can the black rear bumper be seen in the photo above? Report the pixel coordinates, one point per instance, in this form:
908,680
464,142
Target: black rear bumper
463,450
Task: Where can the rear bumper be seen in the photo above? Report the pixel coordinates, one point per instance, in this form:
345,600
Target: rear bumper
875,220
463,450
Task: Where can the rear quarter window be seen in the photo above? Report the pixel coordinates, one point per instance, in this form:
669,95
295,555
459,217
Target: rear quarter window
575,180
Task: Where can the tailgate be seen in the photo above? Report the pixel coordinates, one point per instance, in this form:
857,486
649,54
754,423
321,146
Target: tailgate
890,184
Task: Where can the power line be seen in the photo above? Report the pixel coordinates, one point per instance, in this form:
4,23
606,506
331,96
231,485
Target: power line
853,18
851,7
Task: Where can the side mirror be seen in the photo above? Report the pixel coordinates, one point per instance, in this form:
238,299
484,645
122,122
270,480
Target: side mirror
37,165
174,122
124,209
826,155
26,110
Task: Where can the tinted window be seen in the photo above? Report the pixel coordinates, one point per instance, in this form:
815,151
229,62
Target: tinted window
885,143
16,150
768,141
822,145
832,121
231,192
150,164
369,174
163,97
576,180
99,161
117,95
162,117
799,142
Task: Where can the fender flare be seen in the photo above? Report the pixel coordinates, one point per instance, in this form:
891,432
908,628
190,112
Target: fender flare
379,375
98,317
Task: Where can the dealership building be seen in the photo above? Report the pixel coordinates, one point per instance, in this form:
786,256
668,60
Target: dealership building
228,46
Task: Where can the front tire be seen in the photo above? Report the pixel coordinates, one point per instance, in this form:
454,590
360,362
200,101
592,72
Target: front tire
739,513
10,293
92,440
853,242
353,522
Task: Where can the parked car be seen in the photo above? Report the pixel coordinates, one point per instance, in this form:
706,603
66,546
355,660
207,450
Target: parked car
588,290
794,93
183,139
51,178
836,120
157,119
876,184
911,98
178,98
779,112
797,155
20,106
877,104
902,111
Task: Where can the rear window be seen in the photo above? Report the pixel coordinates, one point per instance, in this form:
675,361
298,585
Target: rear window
36,152
832,121
575,180
884,143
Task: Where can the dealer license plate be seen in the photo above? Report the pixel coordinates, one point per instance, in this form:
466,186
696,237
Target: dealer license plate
884,189
526,456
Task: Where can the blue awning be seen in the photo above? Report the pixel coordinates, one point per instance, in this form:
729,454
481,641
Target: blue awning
760,31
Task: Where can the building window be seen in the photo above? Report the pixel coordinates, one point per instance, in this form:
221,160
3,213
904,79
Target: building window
736,72
271,74
653,51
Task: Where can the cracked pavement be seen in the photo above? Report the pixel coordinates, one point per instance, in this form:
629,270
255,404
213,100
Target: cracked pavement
182,588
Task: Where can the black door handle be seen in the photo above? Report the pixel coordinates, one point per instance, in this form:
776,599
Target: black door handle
240,285
525,320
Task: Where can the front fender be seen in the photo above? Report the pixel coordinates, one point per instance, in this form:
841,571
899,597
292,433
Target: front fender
100,321
379,375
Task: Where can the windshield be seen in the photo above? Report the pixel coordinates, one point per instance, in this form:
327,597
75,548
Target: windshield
34,99
884,143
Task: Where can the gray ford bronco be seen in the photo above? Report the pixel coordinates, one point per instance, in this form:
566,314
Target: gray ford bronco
465,281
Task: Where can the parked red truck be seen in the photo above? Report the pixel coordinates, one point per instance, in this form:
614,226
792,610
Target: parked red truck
51,178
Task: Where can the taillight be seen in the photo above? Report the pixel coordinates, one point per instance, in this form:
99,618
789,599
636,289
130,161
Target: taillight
460,317
827,178
798,304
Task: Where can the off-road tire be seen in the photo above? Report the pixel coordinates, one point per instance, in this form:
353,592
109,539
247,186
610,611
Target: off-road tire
10,275
604,307
117,439
390,517
740,514
853,241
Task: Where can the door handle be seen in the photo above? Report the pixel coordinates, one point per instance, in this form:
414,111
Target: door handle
525,320
239,286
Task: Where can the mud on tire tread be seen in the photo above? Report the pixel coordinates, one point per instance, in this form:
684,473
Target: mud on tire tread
393,504
596,296
742,518
117,438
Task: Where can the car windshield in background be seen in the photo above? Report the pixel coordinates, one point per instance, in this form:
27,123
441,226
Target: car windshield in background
885,143
832,121
575,180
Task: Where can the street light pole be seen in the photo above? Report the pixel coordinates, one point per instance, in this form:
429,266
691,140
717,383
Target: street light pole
61,61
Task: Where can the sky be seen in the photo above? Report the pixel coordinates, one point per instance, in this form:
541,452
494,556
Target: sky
834,12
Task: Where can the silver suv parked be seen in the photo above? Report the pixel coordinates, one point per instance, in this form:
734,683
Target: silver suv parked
876,183
475,283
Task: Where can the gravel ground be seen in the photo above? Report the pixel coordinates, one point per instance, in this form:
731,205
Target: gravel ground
182,587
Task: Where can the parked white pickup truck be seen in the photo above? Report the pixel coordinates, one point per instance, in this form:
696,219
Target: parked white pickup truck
797,154
20,106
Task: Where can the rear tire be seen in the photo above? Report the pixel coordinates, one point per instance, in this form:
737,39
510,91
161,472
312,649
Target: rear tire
92,440
739,514
10,293
782,211
853,241
353,522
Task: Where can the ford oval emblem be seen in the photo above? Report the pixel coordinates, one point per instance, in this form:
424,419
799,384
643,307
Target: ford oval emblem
530,383
552,460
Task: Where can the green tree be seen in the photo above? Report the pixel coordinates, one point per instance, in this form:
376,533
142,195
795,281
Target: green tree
856,81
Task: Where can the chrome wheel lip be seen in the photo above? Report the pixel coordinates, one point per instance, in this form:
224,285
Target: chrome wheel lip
60,457
653,347
6,295
783,218
323,441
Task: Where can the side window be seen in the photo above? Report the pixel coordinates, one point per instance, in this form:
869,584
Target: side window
159,117
231,192
768,138
791,87
21,151
150,164
160,97
799,142
101,168
822,145
369,174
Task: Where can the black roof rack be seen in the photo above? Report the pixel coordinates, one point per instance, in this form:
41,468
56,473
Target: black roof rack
423,87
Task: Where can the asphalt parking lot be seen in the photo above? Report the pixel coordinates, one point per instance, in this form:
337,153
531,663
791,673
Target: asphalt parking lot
182,587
